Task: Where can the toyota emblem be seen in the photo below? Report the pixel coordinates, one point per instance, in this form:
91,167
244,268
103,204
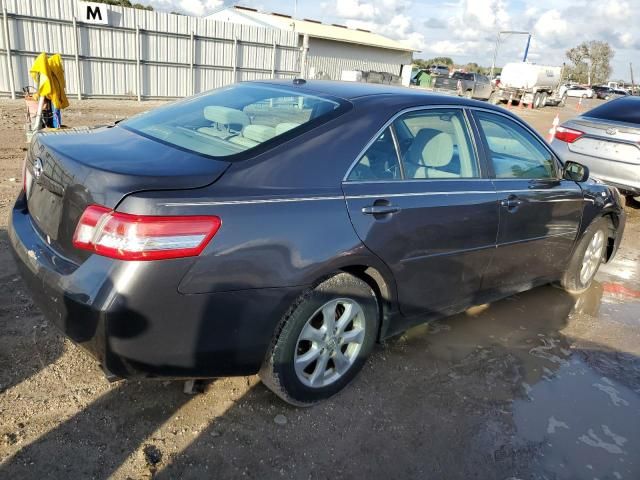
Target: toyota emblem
38,168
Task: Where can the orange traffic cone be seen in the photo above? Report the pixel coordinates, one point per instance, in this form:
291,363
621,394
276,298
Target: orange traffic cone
554,127
510,102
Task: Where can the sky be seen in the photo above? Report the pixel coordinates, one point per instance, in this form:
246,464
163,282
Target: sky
465,30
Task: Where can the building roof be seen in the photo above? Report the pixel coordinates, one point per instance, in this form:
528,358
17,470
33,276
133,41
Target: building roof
317,29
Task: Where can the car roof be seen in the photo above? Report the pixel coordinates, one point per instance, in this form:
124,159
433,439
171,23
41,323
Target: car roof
359,90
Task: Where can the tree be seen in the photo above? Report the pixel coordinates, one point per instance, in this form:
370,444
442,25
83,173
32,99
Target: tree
591,62
421,63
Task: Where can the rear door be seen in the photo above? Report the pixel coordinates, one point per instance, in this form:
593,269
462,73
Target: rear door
418,199
540,212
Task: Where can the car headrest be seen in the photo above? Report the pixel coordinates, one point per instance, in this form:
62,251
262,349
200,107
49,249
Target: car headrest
258,133
226,116
285,126
431,148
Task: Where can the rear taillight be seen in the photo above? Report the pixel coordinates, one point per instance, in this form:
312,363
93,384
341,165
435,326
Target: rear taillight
143,237
568,135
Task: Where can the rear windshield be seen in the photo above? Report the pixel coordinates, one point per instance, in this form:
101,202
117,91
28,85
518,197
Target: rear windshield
463,76
233,119
625,109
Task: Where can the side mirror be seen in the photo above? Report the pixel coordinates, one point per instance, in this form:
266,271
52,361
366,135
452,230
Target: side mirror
575,171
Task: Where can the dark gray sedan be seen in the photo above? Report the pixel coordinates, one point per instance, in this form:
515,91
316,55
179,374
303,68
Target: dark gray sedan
283,227
607,140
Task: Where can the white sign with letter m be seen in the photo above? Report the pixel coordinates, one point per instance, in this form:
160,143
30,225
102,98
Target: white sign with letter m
91,12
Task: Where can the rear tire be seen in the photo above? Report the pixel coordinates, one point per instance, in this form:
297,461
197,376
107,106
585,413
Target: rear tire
543,99
323,341
536,101
586,258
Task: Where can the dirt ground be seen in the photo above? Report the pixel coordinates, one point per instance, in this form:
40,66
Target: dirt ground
541,385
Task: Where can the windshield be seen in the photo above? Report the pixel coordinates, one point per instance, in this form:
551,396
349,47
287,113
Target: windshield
625,109
233,119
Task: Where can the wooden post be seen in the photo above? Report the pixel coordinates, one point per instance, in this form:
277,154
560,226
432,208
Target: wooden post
192,53
138,69
76,53
7,46
273,59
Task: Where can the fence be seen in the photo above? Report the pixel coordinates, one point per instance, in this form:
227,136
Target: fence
141,53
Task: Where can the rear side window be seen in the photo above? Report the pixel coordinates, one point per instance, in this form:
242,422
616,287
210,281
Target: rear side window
428,144
626,110
234,119
380,161
435,144
515,153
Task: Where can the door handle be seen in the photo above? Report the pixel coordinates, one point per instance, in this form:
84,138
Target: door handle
511,202
379,209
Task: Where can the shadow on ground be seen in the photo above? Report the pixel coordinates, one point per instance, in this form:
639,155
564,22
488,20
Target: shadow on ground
512,388
27,344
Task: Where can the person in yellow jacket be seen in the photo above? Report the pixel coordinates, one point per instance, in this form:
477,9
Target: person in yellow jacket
48,73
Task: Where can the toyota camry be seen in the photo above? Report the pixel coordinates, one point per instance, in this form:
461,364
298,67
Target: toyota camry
284,227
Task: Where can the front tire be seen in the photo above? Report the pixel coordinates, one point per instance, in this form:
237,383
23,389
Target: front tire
563,100
323,341
586,258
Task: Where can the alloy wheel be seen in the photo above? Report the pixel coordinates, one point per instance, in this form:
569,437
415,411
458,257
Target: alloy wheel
592,257
329,343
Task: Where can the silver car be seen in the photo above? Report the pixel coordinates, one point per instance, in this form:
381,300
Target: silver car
606,140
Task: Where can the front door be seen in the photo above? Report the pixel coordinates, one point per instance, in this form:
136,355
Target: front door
418,199
540,212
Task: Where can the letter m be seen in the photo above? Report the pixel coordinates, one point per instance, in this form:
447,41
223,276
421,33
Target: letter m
92,13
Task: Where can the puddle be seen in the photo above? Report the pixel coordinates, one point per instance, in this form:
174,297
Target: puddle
574,398
587,425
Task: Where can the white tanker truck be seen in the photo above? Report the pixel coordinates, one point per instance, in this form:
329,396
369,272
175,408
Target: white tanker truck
532,85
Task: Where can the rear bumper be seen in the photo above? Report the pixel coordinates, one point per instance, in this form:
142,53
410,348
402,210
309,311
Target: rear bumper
132,319
624,176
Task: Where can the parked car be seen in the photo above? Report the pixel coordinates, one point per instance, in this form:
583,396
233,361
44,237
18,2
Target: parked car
283,227
619,92
579,91
470,85
607,140
602,92
441,70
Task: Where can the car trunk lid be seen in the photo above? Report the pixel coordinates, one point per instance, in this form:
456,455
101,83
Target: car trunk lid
67,172
608,140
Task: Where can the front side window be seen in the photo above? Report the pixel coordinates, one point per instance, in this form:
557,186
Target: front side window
435,144
231,120
380,161
515,153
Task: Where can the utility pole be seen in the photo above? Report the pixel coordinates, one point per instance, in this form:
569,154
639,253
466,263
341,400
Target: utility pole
633,85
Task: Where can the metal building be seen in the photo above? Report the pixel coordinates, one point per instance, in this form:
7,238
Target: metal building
329,49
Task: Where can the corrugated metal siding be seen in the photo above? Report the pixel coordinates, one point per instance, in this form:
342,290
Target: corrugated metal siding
108,53
223,53
331,58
